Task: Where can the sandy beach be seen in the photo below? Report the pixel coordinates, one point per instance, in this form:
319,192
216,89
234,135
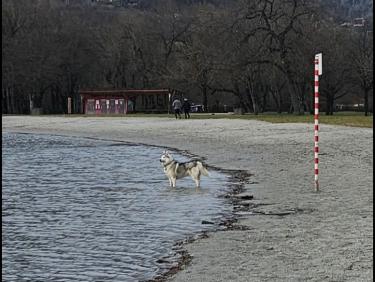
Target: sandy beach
294,233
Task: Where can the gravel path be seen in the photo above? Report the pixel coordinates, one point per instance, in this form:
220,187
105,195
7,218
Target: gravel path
295,234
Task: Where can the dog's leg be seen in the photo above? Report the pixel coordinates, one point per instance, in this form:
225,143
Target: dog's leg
170,182
199,179
197,182
173,182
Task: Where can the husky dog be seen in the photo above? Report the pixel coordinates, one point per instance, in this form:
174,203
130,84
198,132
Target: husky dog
175,170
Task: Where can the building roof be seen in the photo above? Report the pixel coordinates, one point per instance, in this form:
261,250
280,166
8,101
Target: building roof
122,91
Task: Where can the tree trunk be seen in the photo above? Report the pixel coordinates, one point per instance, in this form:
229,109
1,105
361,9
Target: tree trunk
9,111
264,101
241,103
366,101
328,104
294,98
296,102
31,103
12,100
332,105
277,96
254,102
204,98
253,97
3,105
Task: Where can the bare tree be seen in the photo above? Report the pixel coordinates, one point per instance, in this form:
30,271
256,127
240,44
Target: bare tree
362,61
252,53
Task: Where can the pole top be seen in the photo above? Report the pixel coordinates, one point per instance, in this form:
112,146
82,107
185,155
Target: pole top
319,61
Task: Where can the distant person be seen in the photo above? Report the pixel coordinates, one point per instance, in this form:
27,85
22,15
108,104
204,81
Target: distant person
177,107
186,107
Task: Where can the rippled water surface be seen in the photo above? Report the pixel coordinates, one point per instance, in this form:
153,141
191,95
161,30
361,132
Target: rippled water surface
77,209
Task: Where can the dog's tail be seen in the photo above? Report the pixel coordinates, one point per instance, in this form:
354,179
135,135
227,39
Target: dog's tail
202,169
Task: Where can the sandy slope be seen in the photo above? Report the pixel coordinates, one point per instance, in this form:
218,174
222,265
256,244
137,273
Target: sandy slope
326,237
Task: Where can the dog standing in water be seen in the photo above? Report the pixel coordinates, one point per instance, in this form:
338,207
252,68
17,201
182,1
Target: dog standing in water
176,170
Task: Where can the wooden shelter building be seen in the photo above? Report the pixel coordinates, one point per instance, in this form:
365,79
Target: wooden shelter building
124,101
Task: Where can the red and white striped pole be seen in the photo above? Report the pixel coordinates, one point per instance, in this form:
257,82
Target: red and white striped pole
317,72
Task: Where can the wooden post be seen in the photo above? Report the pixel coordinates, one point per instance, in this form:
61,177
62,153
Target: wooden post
69,105
169,102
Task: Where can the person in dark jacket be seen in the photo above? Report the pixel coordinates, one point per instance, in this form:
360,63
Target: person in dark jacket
186,107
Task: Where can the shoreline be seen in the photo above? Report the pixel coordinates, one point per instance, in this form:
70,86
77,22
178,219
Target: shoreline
294,233
228,223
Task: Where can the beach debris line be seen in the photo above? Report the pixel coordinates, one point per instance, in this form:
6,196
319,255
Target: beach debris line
207,222
244,196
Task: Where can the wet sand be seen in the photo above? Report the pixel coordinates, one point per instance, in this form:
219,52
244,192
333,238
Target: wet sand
294,233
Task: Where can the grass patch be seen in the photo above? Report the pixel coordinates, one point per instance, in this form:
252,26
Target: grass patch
344,118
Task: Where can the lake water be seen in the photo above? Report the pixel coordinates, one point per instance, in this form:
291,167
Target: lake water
77,209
